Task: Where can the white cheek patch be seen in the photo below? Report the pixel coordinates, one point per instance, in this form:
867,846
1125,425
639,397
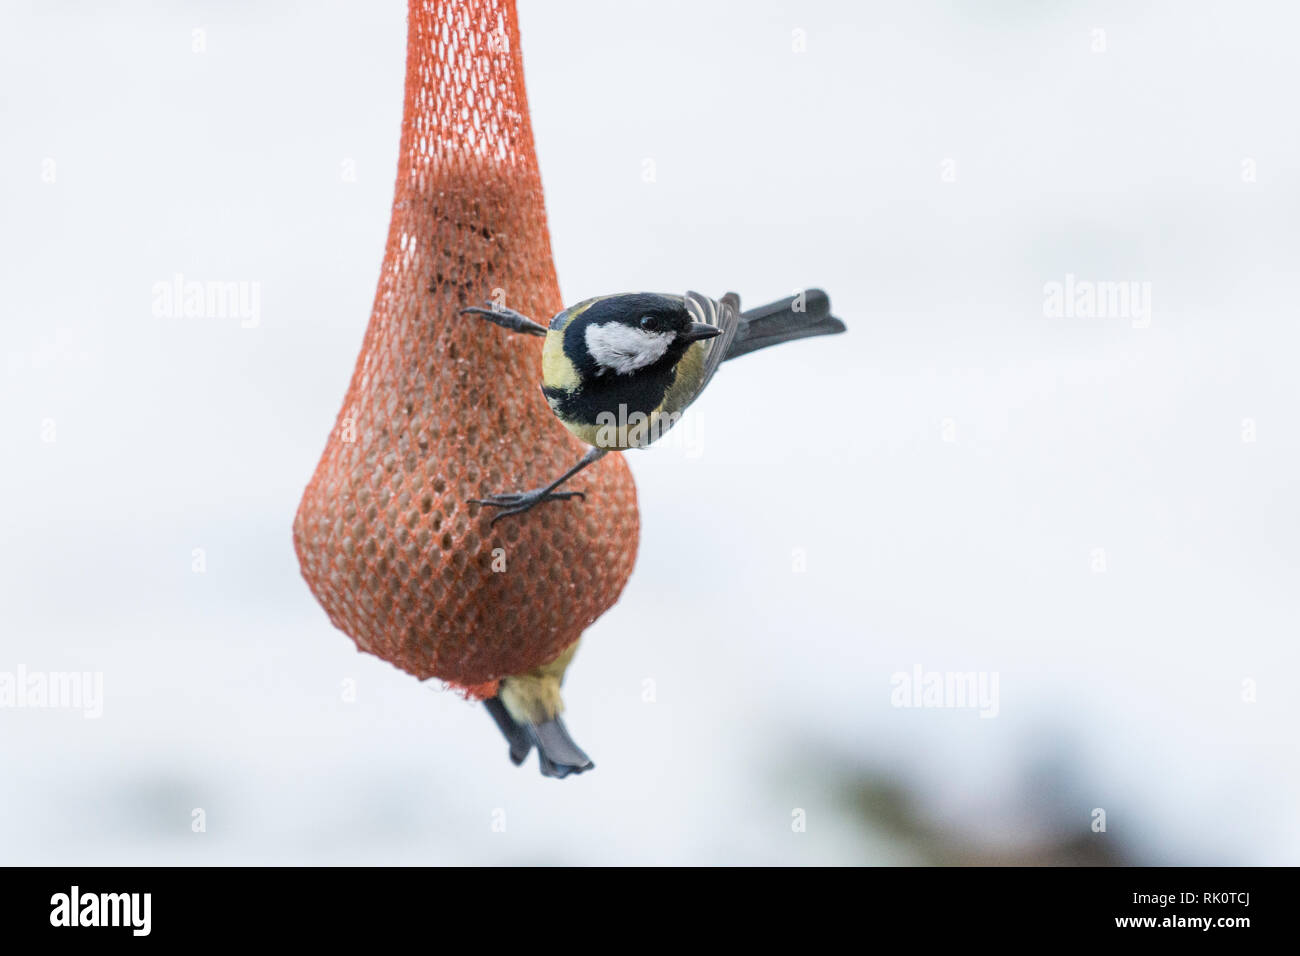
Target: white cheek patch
624,349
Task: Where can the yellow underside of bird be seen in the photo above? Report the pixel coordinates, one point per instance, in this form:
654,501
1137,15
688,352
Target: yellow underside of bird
534,697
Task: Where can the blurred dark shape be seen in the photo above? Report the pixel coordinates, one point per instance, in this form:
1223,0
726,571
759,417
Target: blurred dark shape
886,805
1043,817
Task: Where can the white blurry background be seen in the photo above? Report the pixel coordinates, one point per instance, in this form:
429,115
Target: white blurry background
774,169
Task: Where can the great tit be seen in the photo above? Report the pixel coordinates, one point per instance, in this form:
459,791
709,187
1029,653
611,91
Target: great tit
618,371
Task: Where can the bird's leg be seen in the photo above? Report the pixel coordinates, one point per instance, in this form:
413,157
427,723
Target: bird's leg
516,503
507,319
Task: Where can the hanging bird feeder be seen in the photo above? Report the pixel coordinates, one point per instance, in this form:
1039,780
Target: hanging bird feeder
387,535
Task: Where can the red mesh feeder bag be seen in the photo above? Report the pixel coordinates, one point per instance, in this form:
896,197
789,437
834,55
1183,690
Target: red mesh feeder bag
443,408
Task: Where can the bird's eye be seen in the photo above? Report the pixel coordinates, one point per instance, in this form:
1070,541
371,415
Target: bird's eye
650,323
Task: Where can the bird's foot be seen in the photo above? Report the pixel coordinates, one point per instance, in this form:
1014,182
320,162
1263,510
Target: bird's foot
516,503
506,318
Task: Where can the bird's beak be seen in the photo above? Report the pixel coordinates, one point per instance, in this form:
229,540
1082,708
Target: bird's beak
700,331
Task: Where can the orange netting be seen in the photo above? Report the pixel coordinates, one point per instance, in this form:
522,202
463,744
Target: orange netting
444,408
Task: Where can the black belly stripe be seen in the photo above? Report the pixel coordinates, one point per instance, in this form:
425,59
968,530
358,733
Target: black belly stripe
640,392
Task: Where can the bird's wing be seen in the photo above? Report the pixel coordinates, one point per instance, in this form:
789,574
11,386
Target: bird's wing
723,313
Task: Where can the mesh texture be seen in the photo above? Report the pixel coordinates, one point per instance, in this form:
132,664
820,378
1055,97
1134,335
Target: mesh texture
443,408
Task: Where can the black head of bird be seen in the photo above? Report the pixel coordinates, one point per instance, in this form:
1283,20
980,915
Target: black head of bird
629,335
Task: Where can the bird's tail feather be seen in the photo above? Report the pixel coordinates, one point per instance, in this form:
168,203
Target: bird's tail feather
558,754
516,734
796,317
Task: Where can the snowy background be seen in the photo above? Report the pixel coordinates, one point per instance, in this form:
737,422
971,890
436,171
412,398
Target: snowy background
956,471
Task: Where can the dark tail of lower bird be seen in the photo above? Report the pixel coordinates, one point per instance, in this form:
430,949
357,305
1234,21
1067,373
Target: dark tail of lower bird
557,754
798,317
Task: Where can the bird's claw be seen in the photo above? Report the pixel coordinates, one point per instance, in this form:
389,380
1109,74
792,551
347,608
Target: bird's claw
517,502
506,318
